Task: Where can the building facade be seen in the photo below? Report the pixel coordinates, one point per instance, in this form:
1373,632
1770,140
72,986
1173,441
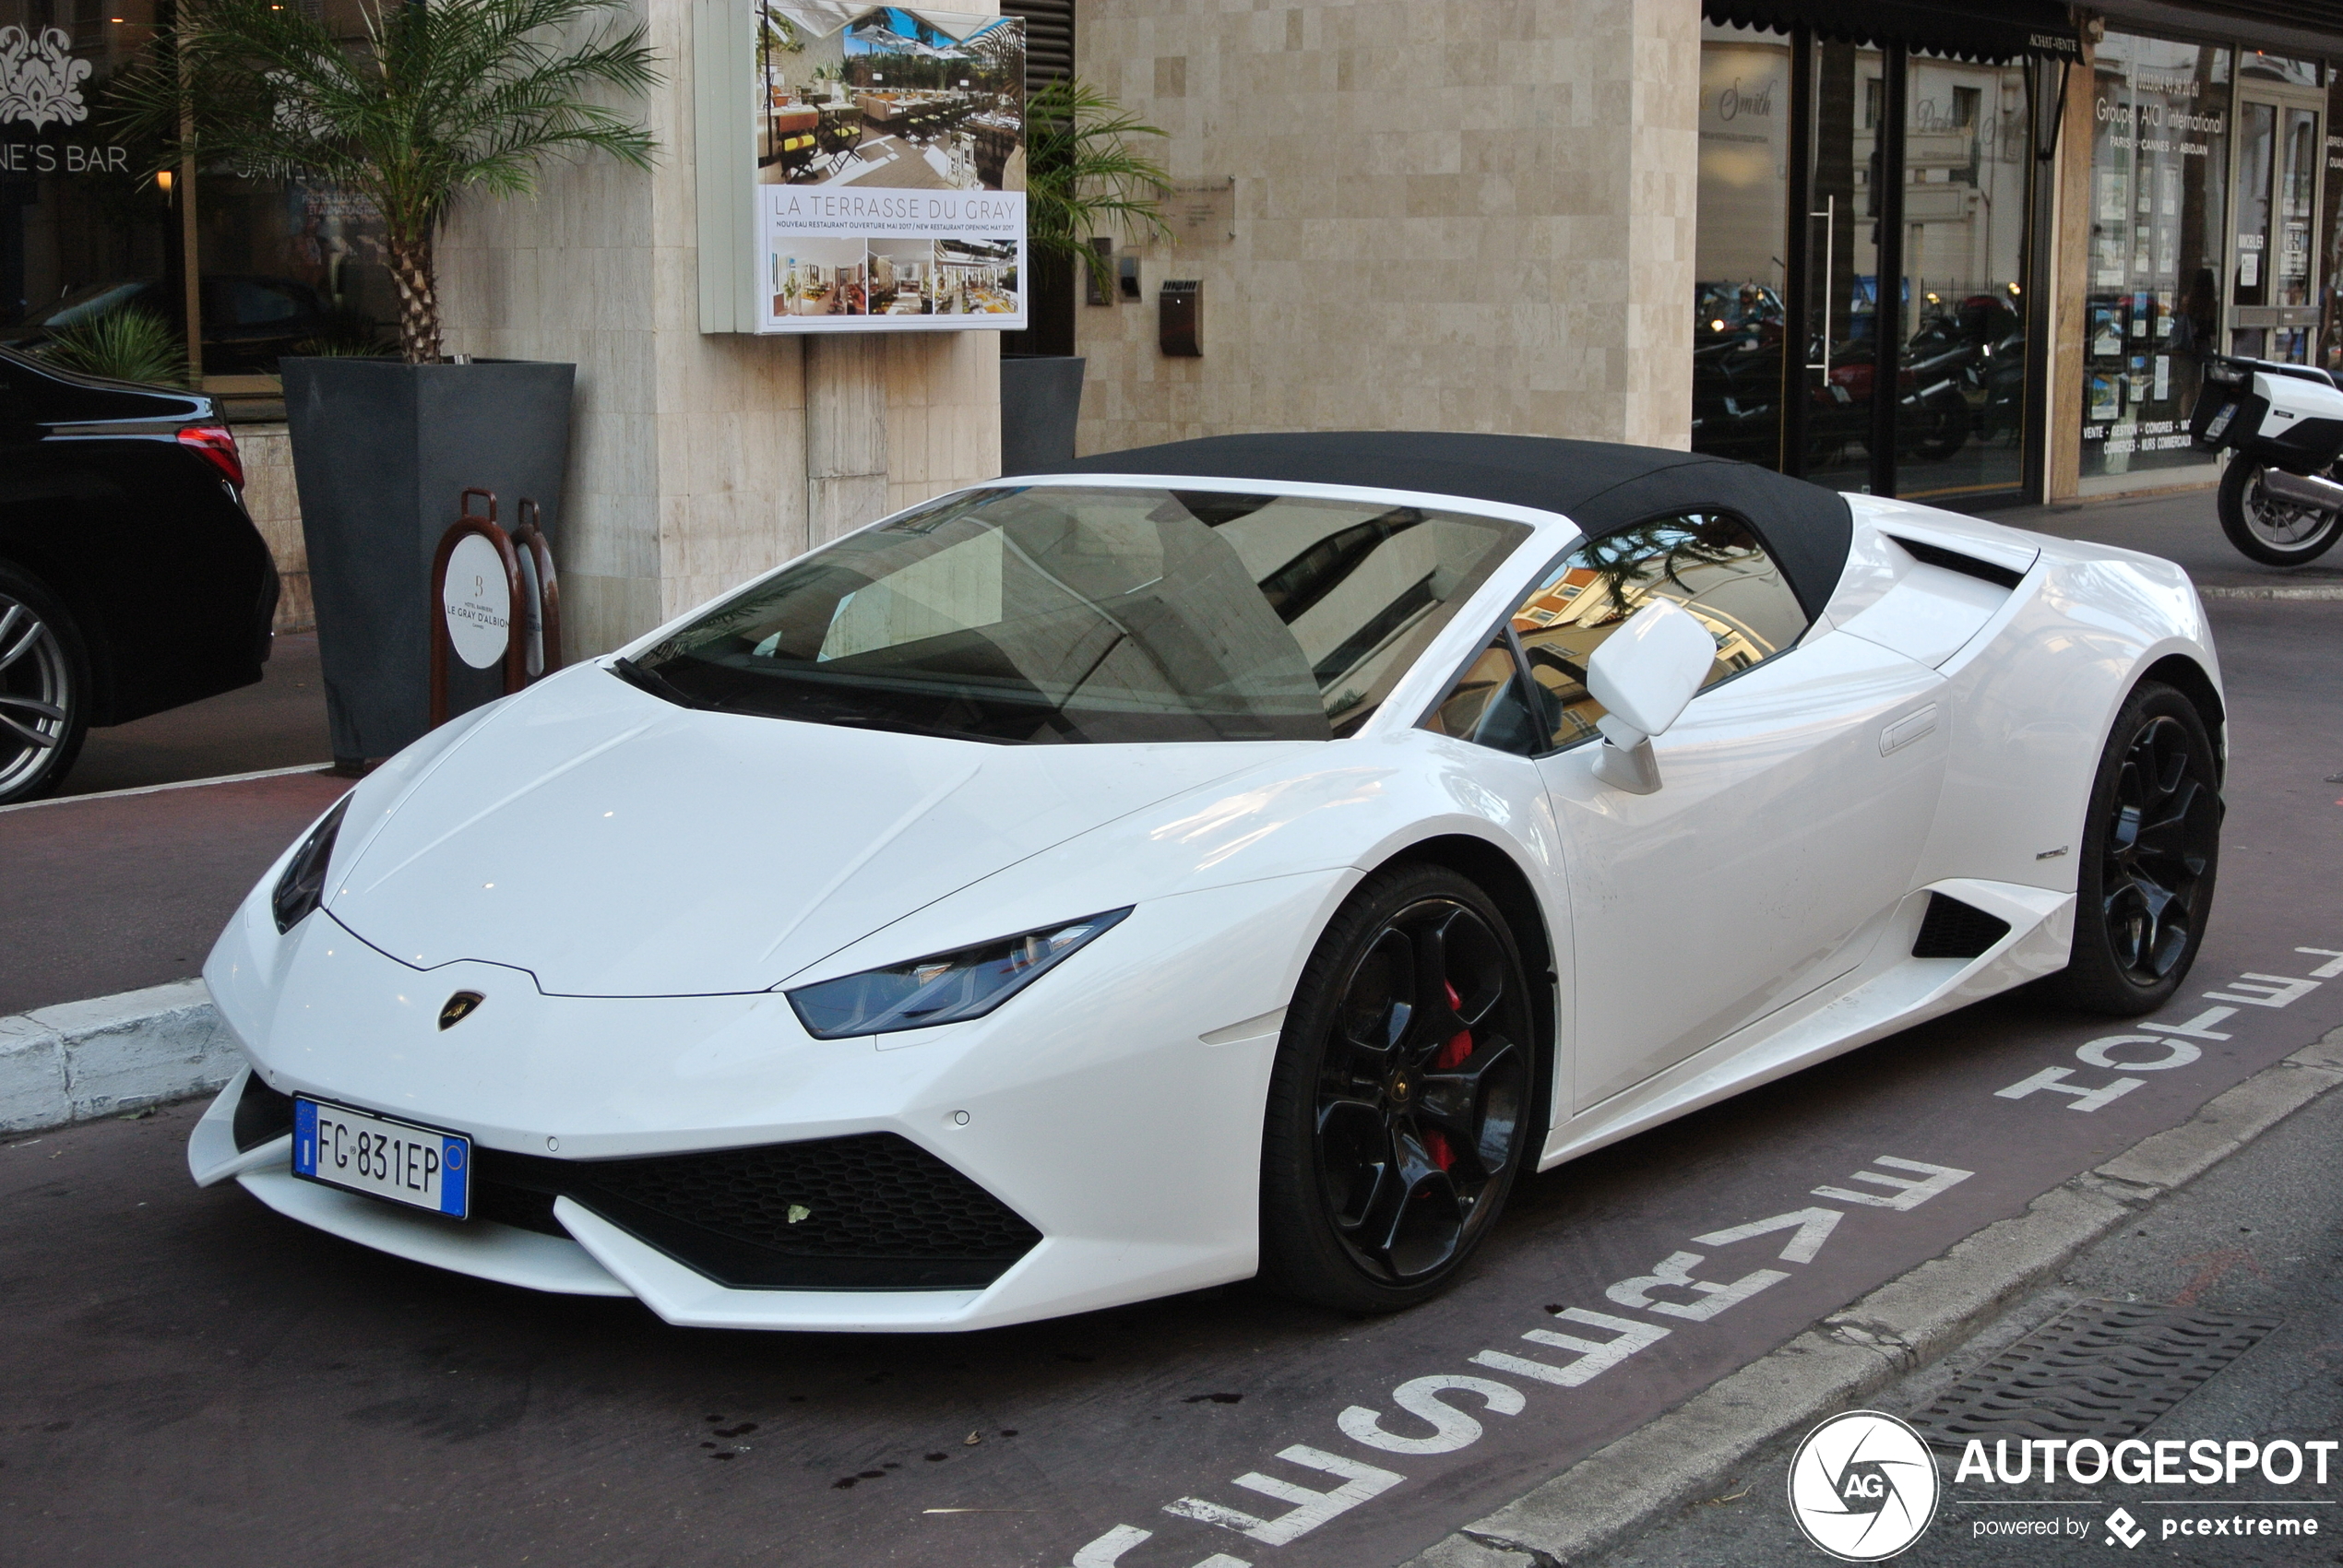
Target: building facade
1670,222
1965,253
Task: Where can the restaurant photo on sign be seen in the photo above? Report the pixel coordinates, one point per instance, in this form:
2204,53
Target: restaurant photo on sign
890,168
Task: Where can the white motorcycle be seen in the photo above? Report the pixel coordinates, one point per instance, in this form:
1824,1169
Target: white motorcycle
2281,499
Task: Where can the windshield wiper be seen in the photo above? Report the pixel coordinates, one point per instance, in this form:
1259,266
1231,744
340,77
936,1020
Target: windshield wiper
659,685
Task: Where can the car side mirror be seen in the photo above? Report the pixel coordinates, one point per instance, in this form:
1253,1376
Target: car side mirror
1644,674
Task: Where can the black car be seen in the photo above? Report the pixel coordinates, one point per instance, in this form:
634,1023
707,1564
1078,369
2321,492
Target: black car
131,578
248,320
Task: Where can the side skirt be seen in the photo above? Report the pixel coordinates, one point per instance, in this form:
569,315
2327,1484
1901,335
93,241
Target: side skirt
1892,991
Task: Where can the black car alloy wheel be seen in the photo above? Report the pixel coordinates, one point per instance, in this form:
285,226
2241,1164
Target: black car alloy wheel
38,697
2151,847
1402,1096
2156,848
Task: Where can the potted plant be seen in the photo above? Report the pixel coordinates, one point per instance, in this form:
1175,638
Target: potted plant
429,103
1081,174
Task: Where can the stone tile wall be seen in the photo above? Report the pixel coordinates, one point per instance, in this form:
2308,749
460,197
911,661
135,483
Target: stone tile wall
274,506
1470,215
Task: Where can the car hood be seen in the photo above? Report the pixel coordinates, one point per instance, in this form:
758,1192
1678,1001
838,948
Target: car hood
615,845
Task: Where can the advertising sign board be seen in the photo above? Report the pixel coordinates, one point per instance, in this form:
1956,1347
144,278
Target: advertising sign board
889,168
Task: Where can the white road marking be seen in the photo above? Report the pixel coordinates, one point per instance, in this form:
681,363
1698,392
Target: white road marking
2198,1027
2054,1079
1594,1358
1454,1430
1674,1271
2276,990
159,788
2178,1054
1937,1178
1420,1396
2327,970
1107,1550
1814,1226
1309,1508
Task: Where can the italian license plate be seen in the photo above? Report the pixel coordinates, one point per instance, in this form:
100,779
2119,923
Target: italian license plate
420,1166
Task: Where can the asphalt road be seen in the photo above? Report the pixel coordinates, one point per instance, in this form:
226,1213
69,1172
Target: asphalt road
128,891
279,722
2260,1237
190,1379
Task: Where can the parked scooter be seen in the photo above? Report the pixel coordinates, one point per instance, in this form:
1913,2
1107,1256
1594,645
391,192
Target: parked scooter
2281,500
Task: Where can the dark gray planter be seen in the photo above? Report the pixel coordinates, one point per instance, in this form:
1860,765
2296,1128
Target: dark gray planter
1040,401
381,451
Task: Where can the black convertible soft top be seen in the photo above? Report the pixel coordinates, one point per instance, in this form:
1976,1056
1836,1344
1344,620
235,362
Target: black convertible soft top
1599,485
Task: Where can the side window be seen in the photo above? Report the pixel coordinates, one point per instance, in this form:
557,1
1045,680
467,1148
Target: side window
1489,706
1710,562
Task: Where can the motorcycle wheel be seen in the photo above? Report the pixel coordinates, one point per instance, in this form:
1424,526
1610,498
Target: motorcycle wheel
1940,429
2263,528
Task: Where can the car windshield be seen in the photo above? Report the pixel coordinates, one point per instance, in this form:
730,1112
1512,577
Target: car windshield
1028,616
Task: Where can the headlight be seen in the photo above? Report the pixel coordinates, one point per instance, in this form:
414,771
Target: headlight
944,989
302,888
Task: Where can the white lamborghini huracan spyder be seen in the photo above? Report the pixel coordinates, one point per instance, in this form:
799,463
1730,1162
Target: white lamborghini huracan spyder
1245,856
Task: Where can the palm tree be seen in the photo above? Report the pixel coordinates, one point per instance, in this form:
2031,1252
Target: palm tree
431,102
1080,173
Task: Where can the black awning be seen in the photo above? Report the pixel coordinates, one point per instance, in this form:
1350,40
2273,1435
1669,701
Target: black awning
1986,30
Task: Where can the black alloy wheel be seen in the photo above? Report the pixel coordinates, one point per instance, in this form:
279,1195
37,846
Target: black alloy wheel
2151,846
1399,1106
2264,528
43,682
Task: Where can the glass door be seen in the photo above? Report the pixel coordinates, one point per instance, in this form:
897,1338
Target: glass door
2273,270
1835,379
1961,397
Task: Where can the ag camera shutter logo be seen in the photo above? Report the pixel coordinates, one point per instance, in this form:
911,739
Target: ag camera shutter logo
1862,1486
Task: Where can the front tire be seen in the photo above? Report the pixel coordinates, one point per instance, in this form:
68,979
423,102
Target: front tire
1399,1105
2263,528
2151,846
44,688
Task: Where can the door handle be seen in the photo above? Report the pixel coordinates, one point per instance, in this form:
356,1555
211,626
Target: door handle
1905,730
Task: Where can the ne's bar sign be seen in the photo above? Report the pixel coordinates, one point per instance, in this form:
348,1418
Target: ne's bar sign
889,168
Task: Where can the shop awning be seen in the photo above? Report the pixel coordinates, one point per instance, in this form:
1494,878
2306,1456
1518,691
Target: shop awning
1986,30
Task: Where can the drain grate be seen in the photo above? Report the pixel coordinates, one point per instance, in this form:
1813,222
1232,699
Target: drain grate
2100,1369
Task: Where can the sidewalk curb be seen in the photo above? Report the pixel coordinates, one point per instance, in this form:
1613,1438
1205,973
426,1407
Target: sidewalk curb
2319,593
1900,1326
80,1061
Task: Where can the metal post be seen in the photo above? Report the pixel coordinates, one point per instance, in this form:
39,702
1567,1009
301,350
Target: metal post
1887,317
2042,221
1796,327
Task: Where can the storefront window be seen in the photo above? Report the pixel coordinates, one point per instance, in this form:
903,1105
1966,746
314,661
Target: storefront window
85,230
2158,200
1738,309
1960,410
76,215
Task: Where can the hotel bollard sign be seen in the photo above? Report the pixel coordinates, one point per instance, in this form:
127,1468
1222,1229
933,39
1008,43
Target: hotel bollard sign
861,168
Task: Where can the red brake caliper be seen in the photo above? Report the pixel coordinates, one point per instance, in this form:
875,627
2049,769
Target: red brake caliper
1458,1047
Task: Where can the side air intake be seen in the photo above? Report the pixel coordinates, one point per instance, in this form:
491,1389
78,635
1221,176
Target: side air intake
1991,572
1954,930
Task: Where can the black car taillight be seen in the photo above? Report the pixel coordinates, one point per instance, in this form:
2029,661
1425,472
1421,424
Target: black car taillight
215,446
303,886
